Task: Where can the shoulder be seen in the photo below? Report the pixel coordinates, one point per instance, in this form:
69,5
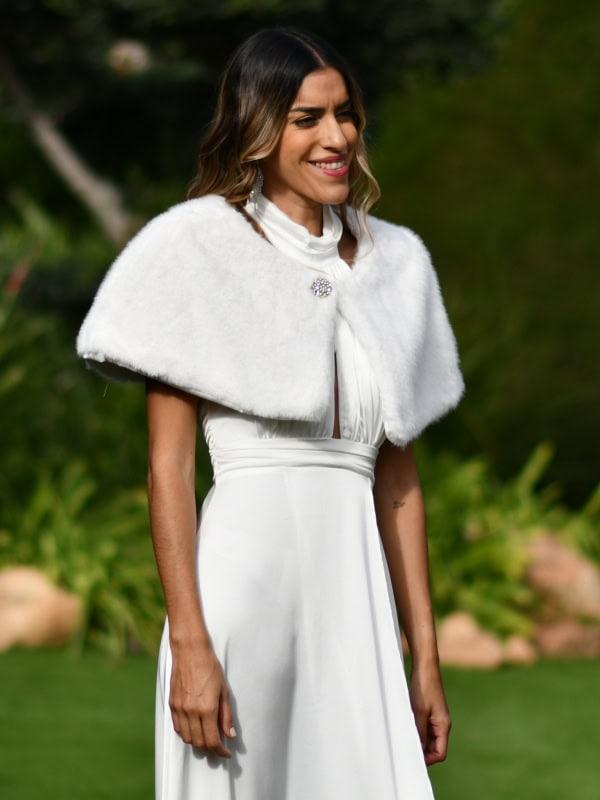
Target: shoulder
172,242
399,238
396,255
209,211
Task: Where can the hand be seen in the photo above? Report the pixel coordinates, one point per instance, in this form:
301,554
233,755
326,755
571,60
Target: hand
431,713
199,700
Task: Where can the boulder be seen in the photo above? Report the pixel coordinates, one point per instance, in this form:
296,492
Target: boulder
519,650
567,580
568,638
33,611
462,643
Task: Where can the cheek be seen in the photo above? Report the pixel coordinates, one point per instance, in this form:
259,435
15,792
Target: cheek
351,137
277,166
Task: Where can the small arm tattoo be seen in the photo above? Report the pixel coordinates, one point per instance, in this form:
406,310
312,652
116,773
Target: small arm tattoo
398,503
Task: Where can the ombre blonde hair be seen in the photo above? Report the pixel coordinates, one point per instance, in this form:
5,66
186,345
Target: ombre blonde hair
256,93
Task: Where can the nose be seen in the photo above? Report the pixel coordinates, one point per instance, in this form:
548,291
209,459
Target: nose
332,133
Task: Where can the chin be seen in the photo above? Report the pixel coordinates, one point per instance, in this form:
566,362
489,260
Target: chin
334,196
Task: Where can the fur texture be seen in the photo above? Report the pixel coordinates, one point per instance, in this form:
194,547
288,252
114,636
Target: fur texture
199,300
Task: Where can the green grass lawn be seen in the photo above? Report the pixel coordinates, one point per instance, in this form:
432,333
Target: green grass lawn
75,728
81,729
526,733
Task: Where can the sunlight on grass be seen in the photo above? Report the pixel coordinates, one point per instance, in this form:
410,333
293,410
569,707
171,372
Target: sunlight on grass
74,728
523,734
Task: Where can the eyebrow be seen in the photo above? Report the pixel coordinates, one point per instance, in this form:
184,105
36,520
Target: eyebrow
318,109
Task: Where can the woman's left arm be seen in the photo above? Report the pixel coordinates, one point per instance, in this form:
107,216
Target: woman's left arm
401,520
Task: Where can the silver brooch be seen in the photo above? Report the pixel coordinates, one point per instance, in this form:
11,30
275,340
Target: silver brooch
321,287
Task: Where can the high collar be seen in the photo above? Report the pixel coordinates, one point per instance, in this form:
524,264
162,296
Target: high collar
294,240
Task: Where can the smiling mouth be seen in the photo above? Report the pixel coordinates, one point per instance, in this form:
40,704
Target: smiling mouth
334,166
330,164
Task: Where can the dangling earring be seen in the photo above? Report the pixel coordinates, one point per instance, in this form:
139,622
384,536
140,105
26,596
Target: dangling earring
256,190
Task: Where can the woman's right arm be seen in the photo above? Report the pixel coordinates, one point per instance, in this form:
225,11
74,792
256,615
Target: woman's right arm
199,696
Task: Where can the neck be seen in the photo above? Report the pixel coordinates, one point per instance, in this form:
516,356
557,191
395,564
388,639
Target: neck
295,239
309,215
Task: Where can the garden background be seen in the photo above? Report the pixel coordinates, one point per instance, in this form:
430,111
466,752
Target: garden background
484,120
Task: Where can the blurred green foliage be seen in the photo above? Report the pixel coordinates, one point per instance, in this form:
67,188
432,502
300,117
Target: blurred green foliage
52,409
499,173
104,556
480,528
140,127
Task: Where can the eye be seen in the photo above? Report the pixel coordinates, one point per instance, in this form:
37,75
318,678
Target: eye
305,122
348,114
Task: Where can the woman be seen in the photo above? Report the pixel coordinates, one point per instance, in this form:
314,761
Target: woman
313,345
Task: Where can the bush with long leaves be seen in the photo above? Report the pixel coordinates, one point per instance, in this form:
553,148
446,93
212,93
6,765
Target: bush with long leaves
104,556
480,529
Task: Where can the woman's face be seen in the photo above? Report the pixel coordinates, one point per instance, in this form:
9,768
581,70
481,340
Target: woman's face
309,168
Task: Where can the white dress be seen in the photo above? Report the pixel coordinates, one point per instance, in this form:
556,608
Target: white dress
296,595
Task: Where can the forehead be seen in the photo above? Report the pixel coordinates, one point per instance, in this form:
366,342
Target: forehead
322,87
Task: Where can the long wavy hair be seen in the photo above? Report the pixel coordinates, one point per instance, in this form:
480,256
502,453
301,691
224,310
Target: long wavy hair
257,90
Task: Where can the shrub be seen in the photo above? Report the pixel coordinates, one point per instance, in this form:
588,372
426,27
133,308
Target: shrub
479,529
104,555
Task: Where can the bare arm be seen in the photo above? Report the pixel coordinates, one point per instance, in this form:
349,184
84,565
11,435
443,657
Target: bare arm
199,696
401,519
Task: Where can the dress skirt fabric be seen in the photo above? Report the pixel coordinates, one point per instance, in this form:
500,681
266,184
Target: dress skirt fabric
297,601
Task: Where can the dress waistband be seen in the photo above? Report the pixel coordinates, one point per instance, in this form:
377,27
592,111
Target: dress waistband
335,453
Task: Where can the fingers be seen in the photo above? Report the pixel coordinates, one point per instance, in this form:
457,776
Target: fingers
422,723
200,729
433,727
436,746
199,702
226,716
212,739
431,713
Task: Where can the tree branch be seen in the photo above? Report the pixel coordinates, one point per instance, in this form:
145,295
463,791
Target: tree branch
99,196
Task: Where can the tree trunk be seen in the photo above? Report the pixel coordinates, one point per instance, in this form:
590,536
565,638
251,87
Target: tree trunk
100,197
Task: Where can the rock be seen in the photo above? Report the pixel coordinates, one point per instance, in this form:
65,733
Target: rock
33,611
569,581
462,643
518,650
568,637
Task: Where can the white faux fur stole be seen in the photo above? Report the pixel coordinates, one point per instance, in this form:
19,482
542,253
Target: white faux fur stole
201,301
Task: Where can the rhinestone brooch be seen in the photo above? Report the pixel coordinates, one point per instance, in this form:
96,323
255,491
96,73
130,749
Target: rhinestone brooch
321,287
